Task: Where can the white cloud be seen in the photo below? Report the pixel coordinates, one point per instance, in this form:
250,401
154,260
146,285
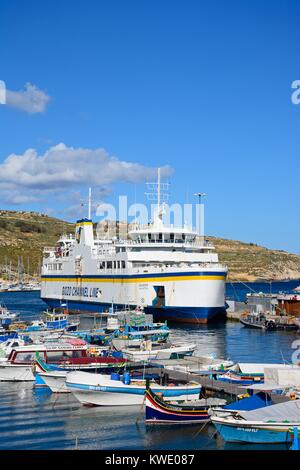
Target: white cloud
62,168
30,99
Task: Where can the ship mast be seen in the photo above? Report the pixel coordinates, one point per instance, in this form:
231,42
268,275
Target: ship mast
158,190
90,204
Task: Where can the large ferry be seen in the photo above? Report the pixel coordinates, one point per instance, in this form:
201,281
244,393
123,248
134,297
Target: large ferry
171,271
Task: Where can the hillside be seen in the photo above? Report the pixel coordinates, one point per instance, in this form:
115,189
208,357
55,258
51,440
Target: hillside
24,234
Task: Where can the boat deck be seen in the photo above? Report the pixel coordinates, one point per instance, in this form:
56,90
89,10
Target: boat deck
204,378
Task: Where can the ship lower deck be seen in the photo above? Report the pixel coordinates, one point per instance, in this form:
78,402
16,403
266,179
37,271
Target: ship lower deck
172,314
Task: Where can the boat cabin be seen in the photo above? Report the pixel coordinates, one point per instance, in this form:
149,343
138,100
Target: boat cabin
53,354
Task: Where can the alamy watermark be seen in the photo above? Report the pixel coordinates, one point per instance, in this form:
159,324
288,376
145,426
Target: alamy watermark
295,97
296,354
190,216
2,92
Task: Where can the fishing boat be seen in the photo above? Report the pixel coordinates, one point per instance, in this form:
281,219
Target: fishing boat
157,411
6,334
268,425
55,322
149,351
7,346
6,317
196,364
239,378
110,390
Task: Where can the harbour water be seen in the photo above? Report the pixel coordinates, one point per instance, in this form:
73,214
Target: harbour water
37,419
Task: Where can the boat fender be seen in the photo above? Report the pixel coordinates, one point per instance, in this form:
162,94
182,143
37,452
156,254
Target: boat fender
126,378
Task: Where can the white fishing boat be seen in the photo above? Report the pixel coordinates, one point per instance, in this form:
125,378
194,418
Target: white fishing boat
5,314
109,390
202,363
147,351
7,346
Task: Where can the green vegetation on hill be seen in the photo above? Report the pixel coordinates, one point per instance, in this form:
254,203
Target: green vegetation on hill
23,235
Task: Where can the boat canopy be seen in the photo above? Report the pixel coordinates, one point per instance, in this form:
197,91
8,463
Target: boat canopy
267,387
254,402
281,412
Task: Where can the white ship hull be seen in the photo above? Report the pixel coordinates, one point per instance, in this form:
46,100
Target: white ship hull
188,296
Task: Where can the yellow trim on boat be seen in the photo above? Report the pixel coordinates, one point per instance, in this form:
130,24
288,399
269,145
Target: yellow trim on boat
134,280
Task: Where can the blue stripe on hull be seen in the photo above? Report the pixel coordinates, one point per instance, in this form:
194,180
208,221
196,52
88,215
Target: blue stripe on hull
136,391
135,276
171,314
252,435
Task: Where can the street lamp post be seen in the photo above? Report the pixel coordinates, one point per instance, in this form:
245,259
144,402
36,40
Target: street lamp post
200,228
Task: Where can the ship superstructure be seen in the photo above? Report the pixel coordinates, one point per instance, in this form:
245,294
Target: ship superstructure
171,271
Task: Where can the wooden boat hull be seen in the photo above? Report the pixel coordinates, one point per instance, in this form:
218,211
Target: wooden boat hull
160,412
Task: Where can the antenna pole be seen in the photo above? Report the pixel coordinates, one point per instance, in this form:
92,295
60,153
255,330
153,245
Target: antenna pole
158,189
201,213
90,203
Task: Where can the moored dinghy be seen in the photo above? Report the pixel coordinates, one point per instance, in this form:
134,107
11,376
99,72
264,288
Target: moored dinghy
149,351
109,390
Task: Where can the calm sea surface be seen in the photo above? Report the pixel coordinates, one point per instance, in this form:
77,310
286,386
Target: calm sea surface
32,419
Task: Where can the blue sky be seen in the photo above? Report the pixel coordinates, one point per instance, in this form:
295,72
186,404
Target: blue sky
203,87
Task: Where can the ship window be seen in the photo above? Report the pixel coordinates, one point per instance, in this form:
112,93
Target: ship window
172,237
160,237
123,265
109,264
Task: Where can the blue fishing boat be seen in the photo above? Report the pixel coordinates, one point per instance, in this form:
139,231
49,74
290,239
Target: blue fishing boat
7,334
268,425
53,322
